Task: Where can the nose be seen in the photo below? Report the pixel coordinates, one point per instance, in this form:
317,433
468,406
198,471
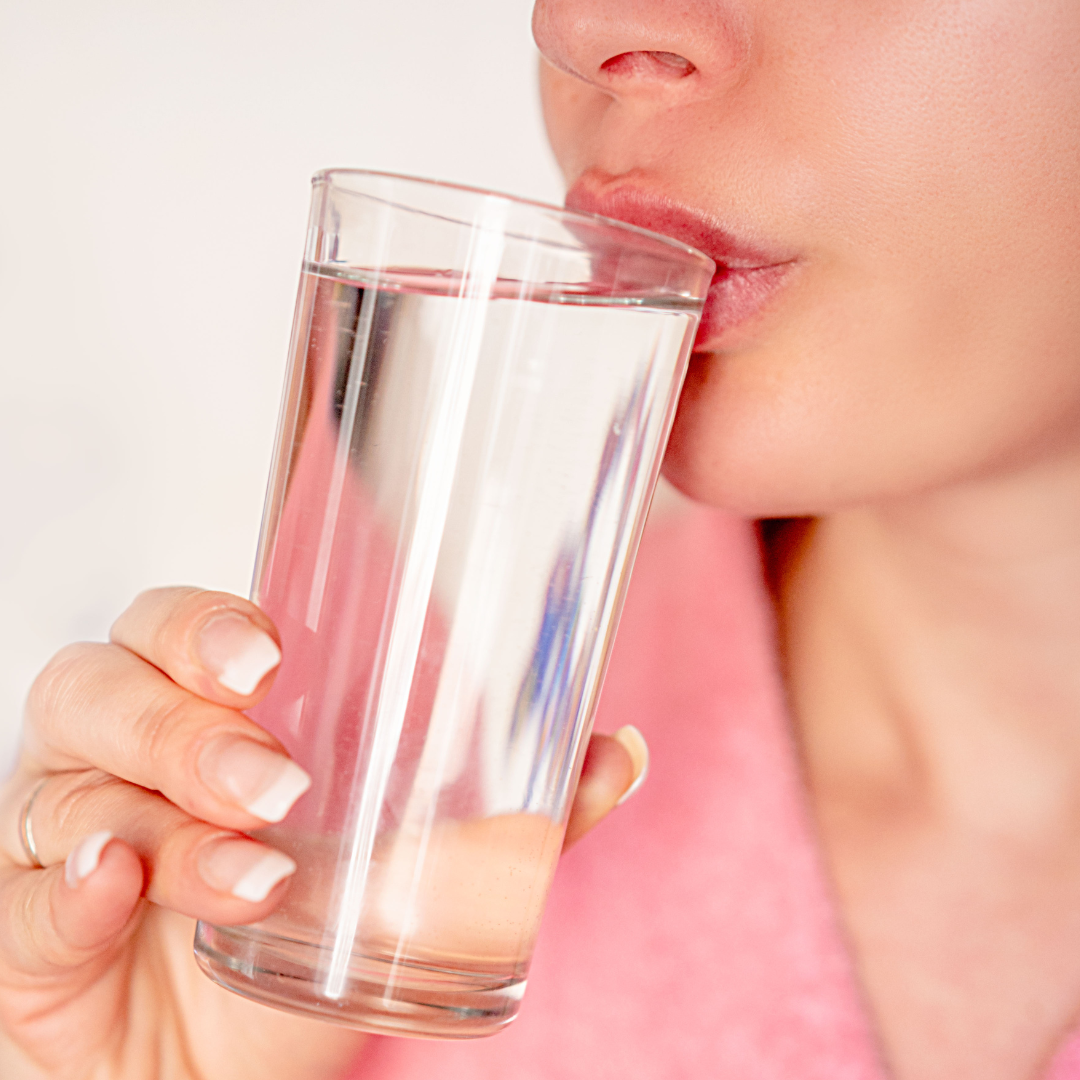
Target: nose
645,47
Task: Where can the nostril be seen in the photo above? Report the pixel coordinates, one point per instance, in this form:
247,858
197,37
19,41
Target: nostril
666,65
672,60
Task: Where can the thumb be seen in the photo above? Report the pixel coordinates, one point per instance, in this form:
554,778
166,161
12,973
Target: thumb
61,931
615,767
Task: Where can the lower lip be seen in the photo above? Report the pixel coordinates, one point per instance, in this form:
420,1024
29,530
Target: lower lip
735,297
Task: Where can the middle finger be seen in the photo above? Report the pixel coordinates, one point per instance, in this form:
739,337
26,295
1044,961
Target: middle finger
103,707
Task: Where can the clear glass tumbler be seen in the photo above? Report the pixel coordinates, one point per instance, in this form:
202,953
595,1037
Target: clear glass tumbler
479,393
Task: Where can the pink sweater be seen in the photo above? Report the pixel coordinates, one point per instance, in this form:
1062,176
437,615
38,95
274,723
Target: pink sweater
693,934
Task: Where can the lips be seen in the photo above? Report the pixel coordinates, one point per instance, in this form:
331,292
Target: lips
747,276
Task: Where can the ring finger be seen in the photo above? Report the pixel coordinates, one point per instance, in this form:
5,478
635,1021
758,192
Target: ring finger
190,866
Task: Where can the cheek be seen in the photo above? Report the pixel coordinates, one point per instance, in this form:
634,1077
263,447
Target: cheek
933,336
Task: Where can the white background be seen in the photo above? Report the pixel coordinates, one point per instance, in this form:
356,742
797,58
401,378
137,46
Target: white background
154,165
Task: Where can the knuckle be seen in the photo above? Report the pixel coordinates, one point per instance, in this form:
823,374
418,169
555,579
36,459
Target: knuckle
172,731
183,839
163,724
148,610
65,682
80,802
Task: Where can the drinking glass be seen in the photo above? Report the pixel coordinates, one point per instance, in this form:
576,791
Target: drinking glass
478,397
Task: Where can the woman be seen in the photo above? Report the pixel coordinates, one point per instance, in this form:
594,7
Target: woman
889,357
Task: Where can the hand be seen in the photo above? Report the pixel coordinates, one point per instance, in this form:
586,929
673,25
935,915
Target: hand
139,765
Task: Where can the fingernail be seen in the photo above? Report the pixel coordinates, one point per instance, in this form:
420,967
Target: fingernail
634,744
241,867
262,781
237,652
84,858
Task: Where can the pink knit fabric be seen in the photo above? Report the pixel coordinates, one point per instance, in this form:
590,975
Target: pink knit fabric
1066,1065
692,935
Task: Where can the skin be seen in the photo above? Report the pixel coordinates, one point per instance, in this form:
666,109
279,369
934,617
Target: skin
912,393
98,979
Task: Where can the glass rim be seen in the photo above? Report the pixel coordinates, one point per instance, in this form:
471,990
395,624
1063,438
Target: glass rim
328,175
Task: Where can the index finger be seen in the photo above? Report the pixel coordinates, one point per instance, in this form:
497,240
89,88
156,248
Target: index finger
214,644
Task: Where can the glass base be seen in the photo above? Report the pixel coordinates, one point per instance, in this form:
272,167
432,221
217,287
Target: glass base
419,1001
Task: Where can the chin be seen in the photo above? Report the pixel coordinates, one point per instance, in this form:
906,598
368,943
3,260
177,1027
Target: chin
761,448
756,493
706,475
717,457
750,471
714,488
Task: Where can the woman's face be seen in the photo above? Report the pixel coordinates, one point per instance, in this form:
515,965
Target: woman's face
894,188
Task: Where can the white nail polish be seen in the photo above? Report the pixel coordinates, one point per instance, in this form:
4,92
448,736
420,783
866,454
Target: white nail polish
247,773
84,858
256,884
276,801
243,671
635,745
237,652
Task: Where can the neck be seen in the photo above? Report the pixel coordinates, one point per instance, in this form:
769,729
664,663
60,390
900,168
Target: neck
932,651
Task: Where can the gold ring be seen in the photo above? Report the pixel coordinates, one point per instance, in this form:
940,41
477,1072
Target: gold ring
26,830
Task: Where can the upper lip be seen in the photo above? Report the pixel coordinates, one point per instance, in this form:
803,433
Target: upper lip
625,201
